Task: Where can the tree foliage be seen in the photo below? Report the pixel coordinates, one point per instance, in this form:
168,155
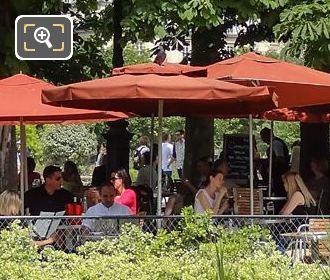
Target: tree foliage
305,28
68,142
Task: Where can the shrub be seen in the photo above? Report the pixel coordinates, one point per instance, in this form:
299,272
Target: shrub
206,252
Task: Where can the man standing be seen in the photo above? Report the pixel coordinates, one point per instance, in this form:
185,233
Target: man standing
178,151
107,207
167,152
49,197
280,160
138,154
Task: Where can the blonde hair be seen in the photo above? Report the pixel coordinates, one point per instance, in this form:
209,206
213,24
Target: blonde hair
10,203
293,183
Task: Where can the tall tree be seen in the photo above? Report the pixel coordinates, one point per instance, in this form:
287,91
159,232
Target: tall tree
206,22
305,29
87,61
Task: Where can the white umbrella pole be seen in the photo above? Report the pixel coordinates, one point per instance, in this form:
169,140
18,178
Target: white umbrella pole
160,130
152,126
23,168
270,159
251,162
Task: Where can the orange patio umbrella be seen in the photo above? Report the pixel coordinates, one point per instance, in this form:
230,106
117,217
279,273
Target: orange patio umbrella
181,95
296,85
169,69
168,95
296,115
21,104
20,97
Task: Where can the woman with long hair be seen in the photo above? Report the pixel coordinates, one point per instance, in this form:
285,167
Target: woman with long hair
10,205
71,178
125,196
214,196
300,201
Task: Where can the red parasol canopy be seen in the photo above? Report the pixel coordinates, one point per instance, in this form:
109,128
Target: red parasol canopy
295,85
182,95
169,69
20,97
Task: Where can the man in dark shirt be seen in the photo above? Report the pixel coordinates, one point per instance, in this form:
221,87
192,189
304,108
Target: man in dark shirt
49,197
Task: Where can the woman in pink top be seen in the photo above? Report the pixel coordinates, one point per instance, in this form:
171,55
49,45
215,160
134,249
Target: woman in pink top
125,196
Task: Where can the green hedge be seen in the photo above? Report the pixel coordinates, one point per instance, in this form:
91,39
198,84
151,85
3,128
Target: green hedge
189,253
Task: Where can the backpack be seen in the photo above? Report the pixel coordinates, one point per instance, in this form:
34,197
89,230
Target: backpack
137,158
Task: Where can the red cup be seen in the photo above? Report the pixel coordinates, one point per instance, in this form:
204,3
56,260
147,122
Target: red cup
70,209
78,210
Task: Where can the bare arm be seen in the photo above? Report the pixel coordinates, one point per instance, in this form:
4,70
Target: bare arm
296,199
222,196
170,205
52,239
206,205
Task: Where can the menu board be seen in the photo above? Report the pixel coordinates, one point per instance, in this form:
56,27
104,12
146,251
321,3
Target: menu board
236,152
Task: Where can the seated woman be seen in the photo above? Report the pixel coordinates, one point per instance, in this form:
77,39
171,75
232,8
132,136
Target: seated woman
10,205
300,201
71,179
125,196
213,196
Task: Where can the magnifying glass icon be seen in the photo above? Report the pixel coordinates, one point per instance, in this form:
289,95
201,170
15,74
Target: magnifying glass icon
41,35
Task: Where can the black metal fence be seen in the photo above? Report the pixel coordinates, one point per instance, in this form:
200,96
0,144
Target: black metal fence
303,238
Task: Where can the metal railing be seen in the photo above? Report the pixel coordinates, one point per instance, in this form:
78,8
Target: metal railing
296,236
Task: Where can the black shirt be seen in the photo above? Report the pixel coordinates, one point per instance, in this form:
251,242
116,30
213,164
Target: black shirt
38,200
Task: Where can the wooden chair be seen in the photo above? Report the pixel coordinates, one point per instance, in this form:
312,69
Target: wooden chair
242,201
322,249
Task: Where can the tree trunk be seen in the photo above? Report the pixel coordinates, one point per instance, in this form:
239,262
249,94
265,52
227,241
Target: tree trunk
8,163
314,142
118,139
117,58
200,131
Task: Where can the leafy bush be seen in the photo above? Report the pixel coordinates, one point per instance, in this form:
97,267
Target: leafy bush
198,250
68,142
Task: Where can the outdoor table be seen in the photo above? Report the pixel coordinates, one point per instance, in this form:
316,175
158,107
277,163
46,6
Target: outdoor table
275,198
298,237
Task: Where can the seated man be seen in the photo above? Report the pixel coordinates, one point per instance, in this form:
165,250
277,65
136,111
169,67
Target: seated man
49,197
107,207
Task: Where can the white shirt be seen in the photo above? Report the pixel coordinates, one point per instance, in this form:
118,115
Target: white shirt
143,149
179,150
198,206
167,151
100,210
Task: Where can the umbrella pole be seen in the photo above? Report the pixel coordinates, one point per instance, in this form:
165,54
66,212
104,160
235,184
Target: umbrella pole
160,130
152,126
270,159
23,168
251,162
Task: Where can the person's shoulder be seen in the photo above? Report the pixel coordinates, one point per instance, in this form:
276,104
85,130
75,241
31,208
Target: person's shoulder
34,191
298,196
130,192
121,209
200,193
93,209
